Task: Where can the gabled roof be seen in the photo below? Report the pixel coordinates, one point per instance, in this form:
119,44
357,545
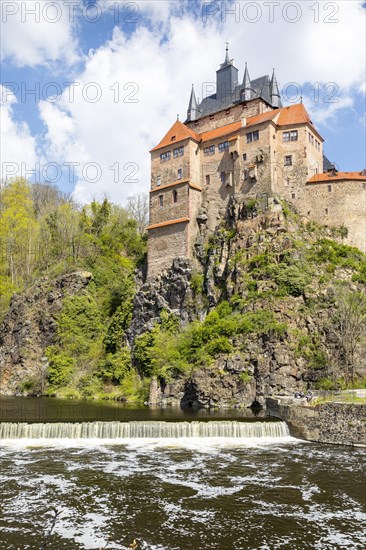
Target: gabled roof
178,132
338,176
222,131
285,116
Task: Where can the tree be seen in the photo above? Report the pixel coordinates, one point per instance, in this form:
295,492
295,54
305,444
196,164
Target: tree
349,325
138,208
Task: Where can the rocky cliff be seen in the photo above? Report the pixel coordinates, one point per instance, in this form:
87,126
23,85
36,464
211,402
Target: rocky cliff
262,258
266,309
30,327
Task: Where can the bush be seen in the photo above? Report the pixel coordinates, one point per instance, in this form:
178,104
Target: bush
114,367
61,368
326,384
291,279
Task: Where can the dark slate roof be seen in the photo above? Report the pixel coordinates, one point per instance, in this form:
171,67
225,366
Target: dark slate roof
327,165
260,88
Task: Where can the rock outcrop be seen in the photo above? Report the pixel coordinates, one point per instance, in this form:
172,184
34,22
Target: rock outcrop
30,327
264,364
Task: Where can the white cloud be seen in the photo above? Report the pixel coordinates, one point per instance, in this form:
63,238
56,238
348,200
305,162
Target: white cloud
106,132
35,32
17,145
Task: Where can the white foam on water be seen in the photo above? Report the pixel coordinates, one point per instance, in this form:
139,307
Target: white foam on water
199,444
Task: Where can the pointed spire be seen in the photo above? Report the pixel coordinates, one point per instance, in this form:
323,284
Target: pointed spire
274,92
192,112
246,84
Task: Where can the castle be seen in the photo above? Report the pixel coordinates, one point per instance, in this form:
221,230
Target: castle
243,141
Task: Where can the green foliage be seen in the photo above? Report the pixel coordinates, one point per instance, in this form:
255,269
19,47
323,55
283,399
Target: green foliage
335,254
166,350
61,368
310,348
196,283
291,279
114,367
245,377
326,384
43,232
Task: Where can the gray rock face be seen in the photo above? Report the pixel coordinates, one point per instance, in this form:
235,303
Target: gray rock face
30,326
169,291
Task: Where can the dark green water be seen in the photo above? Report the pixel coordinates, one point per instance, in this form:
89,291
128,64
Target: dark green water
196,493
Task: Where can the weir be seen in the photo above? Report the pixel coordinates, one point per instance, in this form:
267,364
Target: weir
150,429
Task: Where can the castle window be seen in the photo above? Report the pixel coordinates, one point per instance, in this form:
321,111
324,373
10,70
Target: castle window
286,136
244,156
161,200
223,177
288,160
293,135
209,151
293,196
311,139
158,180
175,196
329,188
165,156
327,211
253,136
224,146
178,152
208,179
179,174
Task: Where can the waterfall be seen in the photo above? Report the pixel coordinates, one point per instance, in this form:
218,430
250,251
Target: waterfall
150,429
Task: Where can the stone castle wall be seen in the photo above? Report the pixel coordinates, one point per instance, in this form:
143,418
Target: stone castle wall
337,203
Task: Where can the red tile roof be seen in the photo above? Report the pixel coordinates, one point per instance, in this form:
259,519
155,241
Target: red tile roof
221,132
178,132
339,176
286,116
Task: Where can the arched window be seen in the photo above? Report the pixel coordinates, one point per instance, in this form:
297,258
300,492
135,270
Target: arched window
175,196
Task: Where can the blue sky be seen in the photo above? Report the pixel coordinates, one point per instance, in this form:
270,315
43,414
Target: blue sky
109,78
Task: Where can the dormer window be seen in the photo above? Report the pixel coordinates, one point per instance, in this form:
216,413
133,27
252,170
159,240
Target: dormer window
173,138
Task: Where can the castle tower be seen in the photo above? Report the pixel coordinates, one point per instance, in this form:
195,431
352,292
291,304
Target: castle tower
274,91
247,92
192,112
226,77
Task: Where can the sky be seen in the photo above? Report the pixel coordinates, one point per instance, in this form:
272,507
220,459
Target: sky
88,87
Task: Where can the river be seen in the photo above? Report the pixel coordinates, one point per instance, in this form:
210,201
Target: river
250,490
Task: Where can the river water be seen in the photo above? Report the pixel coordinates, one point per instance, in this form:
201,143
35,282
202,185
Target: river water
177,493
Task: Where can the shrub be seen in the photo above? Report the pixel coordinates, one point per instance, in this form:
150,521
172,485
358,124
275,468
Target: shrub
291,279
61,368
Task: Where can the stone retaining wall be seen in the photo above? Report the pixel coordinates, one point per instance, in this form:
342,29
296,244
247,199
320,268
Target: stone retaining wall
337,423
